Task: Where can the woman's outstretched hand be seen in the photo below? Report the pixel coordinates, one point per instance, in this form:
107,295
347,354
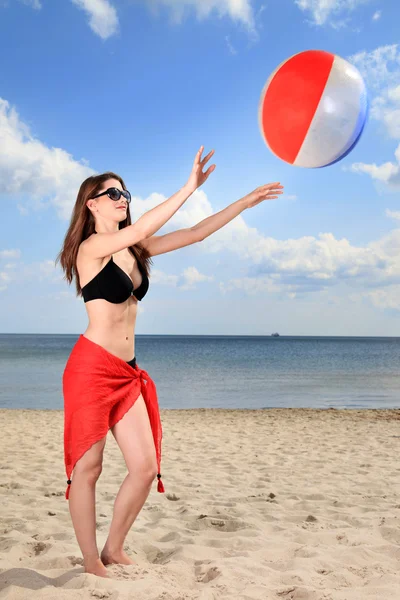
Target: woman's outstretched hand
197,177
264,192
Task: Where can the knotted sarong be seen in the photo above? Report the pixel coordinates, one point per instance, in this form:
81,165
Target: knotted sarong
99,388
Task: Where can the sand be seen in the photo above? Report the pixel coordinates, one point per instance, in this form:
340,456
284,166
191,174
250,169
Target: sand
299,504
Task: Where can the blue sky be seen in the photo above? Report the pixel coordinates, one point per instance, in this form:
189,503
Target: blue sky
136,86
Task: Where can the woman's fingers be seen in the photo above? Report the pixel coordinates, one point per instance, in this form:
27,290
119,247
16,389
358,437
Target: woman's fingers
198,160
209,170
272,189
198,156
275,185
207,158
266,189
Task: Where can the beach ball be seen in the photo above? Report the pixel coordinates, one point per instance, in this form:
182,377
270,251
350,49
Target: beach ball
313,109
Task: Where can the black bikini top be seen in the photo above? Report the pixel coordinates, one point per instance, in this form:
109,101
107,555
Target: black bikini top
114,285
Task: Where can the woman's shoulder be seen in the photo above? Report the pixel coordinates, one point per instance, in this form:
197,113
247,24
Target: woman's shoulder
84,243
83,256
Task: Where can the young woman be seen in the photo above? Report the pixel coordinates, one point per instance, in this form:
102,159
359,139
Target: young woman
103,387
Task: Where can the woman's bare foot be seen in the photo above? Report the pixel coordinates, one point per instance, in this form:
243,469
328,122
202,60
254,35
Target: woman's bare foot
96,567
118,558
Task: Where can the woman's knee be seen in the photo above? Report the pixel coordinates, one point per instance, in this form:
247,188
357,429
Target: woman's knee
91,472
145,471
134,437
90,465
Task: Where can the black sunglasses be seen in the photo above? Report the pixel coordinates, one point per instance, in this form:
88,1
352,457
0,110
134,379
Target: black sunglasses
115,194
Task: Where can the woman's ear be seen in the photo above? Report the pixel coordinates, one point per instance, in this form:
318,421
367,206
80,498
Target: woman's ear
91,205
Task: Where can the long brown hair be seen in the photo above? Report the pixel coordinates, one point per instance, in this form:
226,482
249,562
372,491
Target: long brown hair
82,225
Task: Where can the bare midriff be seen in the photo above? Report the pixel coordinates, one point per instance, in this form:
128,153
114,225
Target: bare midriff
113,326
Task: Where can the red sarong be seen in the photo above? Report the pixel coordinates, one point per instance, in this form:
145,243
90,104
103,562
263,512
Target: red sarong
99,388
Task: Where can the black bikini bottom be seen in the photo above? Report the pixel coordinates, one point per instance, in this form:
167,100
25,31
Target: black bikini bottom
132,362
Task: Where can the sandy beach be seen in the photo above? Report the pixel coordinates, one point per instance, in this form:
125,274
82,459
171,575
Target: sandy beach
290,504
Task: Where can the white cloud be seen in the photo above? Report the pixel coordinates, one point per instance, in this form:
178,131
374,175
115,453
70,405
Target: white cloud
231,49
381,71
238,10
34,3
10,253
23,272
377,15
193,211
22,209
4,277
103,19
387,299
188,280
388,172
324,10
393,214
306,264
48,176
160,278
191,276
289,267
380,67
292,266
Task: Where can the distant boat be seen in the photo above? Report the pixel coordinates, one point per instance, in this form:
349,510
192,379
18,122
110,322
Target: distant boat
275,334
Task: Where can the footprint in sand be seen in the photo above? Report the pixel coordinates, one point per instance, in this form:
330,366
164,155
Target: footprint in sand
172,497
204,573
220,522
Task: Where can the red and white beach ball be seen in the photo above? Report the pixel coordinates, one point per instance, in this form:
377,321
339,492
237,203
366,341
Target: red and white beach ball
313,109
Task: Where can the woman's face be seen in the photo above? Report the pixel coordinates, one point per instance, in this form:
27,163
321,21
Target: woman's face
105,208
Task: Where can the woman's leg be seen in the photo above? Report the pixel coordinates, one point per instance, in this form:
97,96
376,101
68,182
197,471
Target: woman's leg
82,505
134,437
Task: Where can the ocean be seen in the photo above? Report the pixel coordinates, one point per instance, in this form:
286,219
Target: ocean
218,371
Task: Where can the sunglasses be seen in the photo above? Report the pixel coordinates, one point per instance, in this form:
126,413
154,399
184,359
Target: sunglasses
115,194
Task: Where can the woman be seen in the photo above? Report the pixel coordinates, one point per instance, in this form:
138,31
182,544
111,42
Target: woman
103,386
